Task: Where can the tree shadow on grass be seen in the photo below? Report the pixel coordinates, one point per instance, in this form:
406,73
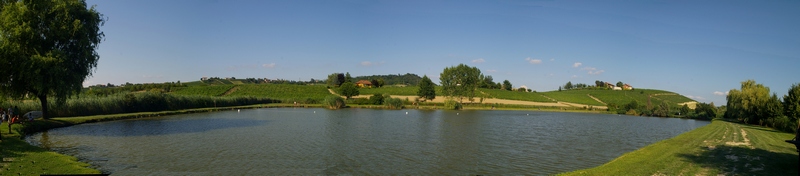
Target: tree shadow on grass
739,160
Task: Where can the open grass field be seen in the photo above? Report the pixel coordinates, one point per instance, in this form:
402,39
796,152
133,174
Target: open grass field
720,148
514,95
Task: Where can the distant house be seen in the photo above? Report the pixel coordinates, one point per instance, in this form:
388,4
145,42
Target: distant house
609,85
627,87
364,83
617,88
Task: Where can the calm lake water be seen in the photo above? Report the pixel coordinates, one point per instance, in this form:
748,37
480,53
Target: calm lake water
287,141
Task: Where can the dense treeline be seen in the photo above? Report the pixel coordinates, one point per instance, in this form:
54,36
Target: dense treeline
752,104
704,111
110,89
409,79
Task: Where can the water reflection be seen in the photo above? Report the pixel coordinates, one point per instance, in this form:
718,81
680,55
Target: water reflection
360,142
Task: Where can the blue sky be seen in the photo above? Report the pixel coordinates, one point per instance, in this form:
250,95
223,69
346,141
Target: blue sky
698,49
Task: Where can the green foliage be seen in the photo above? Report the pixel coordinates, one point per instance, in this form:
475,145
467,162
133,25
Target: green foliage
487,82
685,109
406,79
662,110
791,103
426,89
620,84
507,85
750,103
47,48
348,89
376,99
568,86
136,102
333,102
393,103
348,78
335,79
460,81
450,103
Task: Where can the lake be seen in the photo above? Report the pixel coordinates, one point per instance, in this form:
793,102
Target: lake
283,141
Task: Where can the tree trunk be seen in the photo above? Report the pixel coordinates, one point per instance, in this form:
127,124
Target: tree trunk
43,100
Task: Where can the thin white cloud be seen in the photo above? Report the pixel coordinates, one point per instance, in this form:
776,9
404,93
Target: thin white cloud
269,65
574,76
549,74
479,60
533,61
491,71
551,59
577,64
593,71
720,93
368,63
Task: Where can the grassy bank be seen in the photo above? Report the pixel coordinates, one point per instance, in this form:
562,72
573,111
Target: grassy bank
21,158
718,148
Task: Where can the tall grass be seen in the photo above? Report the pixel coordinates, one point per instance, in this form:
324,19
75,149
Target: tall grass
134,102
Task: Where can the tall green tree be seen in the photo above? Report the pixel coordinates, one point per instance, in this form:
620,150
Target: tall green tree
507,85
426,88
460,81
487,82
348,78
751,104
620,84
349,89
568,85
47,48
333,81
791,103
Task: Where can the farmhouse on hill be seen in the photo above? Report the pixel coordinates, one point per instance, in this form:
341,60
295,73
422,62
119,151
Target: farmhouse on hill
364,83
627,87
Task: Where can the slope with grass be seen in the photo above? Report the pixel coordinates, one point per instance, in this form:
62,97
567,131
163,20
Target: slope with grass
618,97
718,148
285,92
205,90
514,95
575,96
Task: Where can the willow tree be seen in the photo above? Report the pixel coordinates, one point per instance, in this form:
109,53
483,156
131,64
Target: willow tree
47,48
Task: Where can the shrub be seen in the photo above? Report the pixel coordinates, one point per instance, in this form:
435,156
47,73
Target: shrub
450,103
394,103
333,102
376,99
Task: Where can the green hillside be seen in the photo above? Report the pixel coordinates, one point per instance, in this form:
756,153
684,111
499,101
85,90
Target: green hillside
619,97
514,95
218,87
286,92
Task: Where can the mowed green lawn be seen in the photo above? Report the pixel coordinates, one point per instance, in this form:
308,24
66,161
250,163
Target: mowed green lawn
718,148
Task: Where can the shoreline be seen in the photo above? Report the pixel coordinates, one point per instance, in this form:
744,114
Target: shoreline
41,125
